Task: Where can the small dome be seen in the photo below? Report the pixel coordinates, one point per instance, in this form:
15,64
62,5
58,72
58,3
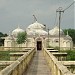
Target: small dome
16,31
35,25
68,37
55,31
9,37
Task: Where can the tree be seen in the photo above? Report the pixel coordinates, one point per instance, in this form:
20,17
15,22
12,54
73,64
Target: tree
2,40
21,37
1,34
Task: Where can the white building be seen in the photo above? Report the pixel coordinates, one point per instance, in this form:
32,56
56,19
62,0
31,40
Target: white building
38,37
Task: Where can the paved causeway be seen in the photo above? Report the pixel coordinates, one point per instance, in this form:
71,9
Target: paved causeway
38,65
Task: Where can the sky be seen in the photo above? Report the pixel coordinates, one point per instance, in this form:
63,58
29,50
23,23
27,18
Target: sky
20,12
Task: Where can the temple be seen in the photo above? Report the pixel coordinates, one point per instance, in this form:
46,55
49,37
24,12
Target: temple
38,36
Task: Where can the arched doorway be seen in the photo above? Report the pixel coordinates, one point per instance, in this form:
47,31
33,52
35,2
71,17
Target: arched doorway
39,45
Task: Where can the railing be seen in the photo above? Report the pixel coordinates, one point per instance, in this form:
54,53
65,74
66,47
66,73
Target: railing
56,67
70,65
20,65
2,48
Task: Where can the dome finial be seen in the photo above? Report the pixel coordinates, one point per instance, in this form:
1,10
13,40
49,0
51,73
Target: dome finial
35,19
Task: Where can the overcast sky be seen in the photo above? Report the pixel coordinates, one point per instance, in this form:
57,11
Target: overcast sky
19,12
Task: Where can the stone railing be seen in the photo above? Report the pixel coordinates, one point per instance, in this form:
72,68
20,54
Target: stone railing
20,65
2,48
4,64
56,67
14,56
70,65
61,56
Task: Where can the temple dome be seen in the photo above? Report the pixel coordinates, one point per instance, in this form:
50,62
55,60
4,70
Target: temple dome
41,32
16,31
35,26
55,31
37,32
31,33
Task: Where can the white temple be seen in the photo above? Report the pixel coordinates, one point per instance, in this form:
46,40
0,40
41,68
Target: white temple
38,37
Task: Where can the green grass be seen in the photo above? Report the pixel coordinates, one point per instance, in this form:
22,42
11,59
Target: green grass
4,55
70,55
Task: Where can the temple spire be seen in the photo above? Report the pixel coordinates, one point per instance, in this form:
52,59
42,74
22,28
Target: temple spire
35,19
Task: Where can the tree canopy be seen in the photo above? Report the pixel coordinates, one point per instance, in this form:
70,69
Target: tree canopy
21,38
2,40
2,35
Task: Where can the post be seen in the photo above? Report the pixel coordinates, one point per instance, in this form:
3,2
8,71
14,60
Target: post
59,29
59,10
48,37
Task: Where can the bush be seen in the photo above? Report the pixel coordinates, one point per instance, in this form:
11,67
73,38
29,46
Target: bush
71,55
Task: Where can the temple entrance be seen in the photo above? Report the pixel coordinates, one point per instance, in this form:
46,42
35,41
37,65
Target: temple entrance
39,45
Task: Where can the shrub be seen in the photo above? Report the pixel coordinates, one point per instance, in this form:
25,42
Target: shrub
71,55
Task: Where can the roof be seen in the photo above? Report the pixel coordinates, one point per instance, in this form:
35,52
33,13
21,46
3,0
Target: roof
16,31
36,25
36,29
55,31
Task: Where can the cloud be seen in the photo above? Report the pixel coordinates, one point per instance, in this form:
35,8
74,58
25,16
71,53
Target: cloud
14,12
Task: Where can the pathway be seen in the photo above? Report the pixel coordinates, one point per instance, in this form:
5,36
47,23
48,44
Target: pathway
38,65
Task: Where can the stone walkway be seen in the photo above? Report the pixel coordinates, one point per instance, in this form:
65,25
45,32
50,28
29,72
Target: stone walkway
38,65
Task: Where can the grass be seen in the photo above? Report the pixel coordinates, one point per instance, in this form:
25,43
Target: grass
70,55
4,55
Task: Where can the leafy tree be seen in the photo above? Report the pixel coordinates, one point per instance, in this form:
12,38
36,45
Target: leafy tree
21,37
1,34
5,35
2,40
71,33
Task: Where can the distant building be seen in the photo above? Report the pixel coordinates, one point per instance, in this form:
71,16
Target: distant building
37,36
